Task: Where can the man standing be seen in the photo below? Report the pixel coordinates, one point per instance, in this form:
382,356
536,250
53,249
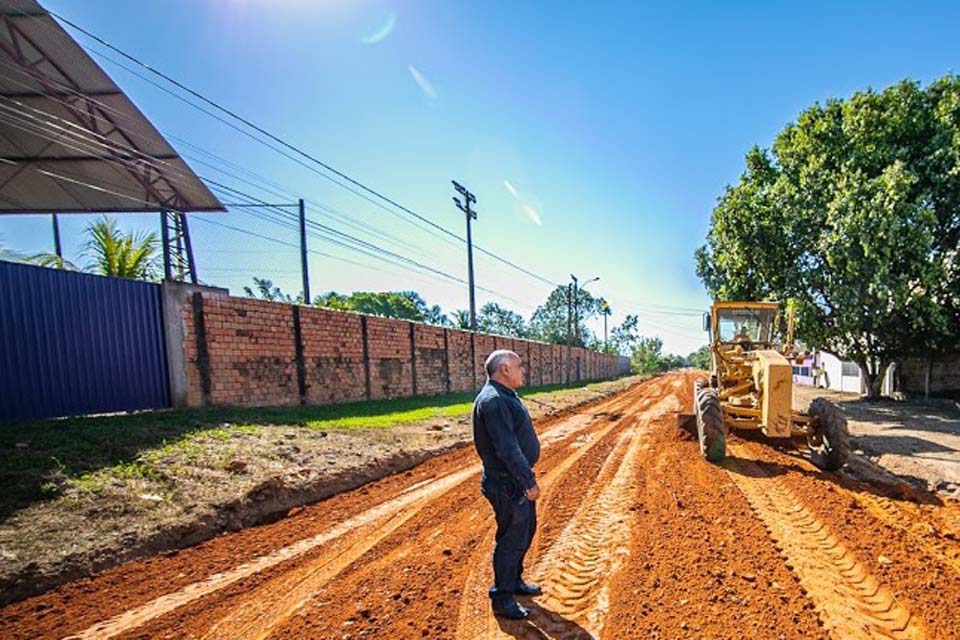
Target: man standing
504,437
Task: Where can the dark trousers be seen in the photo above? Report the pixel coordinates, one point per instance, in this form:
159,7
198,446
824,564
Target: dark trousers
516,523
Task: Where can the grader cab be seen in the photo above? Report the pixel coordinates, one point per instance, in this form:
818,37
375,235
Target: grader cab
751,386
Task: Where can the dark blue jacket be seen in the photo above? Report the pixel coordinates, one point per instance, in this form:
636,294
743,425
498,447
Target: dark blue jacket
503,434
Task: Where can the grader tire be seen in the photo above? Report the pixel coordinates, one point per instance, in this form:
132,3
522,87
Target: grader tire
831,452
710,429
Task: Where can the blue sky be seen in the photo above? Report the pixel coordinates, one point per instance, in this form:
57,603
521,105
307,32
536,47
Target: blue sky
596,136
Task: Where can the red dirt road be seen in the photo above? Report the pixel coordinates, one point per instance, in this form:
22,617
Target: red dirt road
639,538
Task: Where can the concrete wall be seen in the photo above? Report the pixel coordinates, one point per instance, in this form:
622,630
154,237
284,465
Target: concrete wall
944,375
240,351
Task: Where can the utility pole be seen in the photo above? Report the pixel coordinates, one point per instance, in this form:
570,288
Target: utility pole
56,239
576,304
304,267
165,239
569,320
177,248
576,320
605,310
468,199
185,230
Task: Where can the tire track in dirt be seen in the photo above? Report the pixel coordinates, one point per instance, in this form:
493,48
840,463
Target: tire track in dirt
385,512
593,547
589,550
414,578
314,561
911,520
297,587
850,600
701,564
385,515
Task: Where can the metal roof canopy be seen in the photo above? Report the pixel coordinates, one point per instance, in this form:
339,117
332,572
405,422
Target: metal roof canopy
70,139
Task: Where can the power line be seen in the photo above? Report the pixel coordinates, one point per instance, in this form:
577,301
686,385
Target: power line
85,141
85,135
346,240
286,145
291,147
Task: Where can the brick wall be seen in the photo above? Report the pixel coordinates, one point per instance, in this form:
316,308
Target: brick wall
241,351
249,349
484,345
431,360
333,356
459,354
388,347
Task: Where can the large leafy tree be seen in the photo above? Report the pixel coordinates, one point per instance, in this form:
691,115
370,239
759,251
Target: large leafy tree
405,305
549,320
854,214
646,355
624,337
112,252
389,304
496,319
701,358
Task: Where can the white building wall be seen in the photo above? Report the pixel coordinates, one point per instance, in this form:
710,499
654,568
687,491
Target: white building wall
832,375
834,379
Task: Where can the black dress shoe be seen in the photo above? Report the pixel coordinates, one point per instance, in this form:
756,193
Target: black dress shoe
513,612
528,589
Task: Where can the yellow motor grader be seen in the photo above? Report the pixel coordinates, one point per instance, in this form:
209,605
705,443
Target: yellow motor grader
751,386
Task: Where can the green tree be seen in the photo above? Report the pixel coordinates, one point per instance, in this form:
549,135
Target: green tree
624,337
9,255
434,315
333,300
645,357
701,358
405,305
549,320
460,319
265,290
671,361
123,255
853,214
496,319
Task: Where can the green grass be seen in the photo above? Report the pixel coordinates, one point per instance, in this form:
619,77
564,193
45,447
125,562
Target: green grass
53,453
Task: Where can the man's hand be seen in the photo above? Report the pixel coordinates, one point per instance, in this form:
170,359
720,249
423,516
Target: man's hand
532,493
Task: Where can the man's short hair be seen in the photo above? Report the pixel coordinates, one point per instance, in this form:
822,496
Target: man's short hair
495,359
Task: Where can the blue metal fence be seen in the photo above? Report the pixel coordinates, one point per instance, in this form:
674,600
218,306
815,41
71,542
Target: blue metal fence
74,343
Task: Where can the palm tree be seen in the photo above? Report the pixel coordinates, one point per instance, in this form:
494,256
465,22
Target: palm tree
39,259
118,254
9,254
51,260
460,318
265,290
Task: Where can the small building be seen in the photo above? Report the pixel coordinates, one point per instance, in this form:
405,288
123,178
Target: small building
826,371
